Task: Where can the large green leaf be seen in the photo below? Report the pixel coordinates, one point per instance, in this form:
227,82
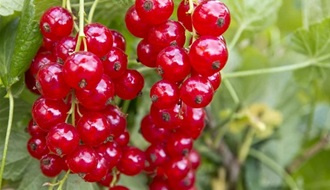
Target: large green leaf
7,7
316,10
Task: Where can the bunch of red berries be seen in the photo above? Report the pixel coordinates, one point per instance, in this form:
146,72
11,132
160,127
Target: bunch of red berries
77,78
190,76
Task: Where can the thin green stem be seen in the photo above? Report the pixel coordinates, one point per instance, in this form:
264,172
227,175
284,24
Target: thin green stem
114,179
63,180
275,167
126,105
81,24
68,6
236,37
9,125
191,11
64,3
232,91
90,3
245,148
73,108
91,12
51,187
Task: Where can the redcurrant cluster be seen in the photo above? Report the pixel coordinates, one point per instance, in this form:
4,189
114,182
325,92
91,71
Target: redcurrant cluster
190,76
78,85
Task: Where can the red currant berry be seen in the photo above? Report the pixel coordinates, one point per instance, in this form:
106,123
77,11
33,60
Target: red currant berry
208,55
30,82
170,33
116,119
123,139
48,113
118,40
179,145
183,16
151,132
154,12
97,98
194,158
164,94
177,168
115,63
99,172
211,18
64,48
215,80
156,155
99,39
193,121
196,92
83,70
159,184
50,81
51,165
185,184
37,146
132,161
118,187
34,130
173,64
111,152
146,54
222,39
56,23
82,160
135,25
41,59
168,118
93,128
48,44
129,85
62,139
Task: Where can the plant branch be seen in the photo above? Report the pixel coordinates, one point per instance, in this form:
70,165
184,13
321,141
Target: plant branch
91,12
236,37
9,125
81,25
232,91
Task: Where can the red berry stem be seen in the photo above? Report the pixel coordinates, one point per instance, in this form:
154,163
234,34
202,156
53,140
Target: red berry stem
81,34
114,179
190,11
91,12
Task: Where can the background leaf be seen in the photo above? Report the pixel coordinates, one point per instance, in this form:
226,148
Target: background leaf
7,7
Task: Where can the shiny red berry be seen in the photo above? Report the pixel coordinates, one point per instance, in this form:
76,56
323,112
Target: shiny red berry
37,147
164,94
62,139
146,54
118,187
196,92
97,98
177,168
194,159
116,119
50,81
173,64
41,59
154,12
170,33
185,184
151,132
56,23
178,145
115,63
99,39
156,155
135,25
183,16
208,55
159,183
83,70
82,160
34,130
118,40
168,118
215,80
132,161
93,128
123,139
64,48
112,153
30,82
48,44
51,165
211,18
48,113
129,85
99,171
193,121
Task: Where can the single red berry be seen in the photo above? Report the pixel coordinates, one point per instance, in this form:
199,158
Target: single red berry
183,16
164,94
123,139
185,184
177,168
208,55
62,139
112,153
116,119
196,92
146,54
48,44
222,38
168,118
56,23
173,64
118,187
135,25
34,130
99,39
51,165
37,147
41,59
215,80
115,63
132,161
154,12
48,113
30,82
93,128
170,33
118,40
97,98
50,81
156,155
193,121
83,70
159,183
82,160
129,85
64,48
194,159
99,172
178,145
107,179
211,18
151,132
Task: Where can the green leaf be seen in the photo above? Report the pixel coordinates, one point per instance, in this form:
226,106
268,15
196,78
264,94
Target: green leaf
316,10
33,179
138,182
7,7
254,14
74,182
